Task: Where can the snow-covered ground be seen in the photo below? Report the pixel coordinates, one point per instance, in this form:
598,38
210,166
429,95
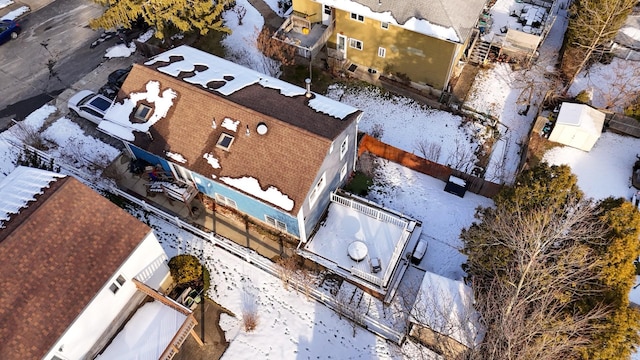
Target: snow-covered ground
289,325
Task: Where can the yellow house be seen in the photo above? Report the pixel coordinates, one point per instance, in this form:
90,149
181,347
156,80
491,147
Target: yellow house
420,41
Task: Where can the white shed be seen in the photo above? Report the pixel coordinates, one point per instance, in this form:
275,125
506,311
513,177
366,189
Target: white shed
578,126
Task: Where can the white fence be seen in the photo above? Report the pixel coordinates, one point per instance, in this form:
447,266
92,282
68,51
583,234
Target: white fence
265,264
369,211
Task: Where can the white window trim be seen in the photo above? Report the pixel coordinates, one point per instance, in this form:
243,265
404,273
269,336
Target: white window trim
226,201
275,223
382,52
220,140
317,189
139,109
353,41
344,147
356,17
343,171
331,148
382,25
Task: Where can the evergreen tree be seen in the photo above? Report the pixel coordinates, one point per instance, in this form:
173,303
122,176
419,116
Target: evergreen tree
183,15
592,25
552,271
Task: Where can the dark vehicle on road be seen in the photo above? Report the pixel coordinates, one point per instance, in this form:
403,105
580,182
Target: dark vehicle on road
114,82
9,29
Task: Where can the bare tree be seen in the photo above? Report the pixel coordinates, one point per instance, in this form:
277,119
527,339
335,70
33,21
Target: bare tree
592,25
240,11
462,158
306,280
286,267
528,299
624,88
348,305
428,150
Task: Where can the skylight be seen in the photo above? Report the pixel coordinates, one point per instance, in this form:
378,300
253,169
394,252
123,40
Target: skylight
225,141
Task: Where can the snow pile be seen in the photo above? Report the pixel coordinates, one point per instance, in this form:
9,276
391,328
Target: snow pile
251,186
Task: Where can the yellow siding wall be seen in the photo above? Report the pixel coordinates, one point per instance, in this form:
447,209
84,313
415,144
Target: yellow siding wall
310,8
423,58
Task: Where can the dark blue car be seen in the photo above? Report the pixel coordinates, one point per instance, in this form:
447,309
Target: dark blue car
9,29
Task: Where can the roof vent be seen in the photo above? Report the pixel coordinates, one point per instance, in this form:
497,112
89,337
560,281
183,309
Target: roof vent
307,82
262,128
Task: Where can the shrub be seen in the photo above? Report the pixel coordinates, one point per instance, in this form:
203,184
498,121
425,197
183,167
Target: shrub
249,320
584,97
187,270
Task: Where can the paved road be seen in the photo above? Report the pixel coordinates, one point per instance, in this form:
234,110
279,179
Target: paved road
51,54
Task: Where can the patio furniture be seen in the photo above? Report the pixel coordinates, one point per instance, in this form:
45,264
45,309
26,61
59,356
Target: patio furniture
357,250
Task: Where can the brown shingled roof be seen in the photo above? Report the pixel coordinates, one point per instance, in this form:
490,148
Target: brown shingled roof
288,157
55,256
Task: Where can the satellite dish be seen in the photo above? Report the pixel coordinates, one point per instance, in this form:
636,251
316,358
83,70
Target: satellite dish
262,128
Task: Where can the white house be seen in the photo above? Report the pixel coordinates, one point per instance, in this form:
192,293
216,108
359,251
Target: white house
72,268
578,126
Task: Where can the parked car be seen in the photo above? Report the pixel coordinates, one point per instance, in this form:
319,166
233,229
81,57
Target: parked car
114,82
89,105
418,252
9,29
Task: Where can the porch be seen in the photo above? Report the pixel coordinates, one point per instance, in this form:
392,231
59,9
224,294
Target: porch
308,38
201,212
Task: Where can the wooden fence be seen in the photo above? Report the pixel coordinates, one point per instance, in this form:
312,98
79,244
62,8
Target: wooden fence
474,184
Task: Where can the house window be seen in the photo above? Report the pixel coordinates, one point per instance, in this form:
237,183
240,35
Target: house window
356,44
357,17
344,146
276,223
382,52
226,201
224,141
384,25
116,285
343,172
315,193
327,10
143,112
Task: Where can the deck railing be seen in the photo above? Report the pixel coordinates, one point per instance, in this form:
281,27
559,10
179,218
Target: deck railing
370,211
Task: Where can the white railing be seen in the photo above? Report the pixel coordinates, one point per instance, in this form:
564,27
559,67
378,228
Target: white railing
395,257
369,211
365,275
264,264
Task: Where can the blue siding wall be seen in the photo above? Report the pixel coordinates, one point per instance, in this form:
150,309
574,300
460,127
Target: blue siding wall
246,204
148,157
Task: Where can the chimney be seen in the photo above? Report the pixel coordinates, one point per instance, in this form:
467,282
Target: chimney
307,83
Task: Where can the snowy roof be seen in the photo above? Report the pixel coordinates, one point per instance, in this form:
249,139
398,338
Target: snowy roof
443,19
205,68
147,334
21,187
581,115
446,306
56,255
217,135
